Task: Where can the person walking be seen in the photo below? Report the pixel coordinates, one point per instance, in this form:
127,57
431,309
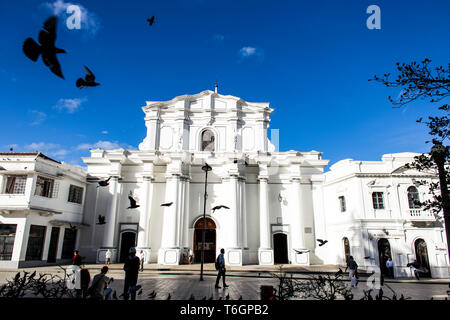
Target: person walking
220,266
131,268
76,274
414,266
99,287
353,268
108,255
390,267
142,259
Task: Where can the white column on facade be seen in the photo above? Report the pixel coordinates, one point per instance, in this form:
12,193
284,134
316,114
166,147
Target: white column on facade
143,234
233,235
111,218
170,222
243,204
297,223
185,230
264,223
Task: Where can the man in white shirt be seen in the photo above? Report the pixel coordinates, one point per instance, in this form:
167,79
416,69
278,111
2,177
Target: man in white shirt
142,258
390,267
108,256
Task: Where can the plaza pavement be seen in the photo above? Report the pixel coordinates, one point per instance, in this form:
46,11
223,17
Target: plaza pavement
182,281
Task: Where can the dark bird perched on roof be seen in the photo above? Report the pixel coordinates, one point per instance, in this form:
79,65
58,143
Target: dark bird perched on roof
151,20
301,252
168,204
133,204
88,80
47,49
101,219
322,242
219,207
103,183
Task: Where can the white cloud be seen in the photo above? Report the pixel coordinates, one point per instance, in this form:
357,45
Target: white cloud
246,52
106,145
39,117
105,131
89,21
69,105
41,146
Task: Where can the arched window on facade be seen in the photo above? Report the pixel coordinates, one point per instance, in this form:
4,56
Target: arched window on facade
413,198
207,141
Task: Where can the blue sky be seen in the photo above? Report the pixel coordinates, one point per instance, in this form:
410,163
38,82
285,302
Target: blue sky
310,59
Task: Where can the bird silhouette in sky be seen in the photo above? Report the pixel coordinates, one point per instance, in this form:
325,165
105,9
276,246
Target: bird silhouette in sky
103,183
47,49
101,219
322,242
11,149
133,204
167,204
151,20
301,252
219,207
88,80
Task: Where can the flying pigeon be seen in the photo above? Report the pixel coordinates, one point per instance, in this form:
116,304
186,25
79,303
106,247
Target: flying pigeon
151,20
73,228
101,219
301,252
219,207
11,149
322,242
47,49
168,204
103,183
133,204
88,80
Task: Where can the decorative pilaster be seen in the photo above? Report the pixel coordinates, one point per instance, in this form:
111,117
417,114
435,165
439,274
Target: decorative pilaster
144,219
265,252
297,224
233,252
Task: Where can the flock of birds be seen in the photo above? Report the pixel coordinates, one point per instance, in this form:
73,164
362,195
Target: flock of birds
47,49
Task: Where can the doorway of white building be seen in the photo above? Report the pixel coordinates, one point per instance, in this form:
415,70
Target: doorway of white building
347,252
384,253
280,248
210,241
422,258
53,247
127,240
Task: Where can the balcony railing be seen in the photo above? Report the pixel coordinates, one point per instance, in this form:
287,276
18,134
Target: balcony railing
419,214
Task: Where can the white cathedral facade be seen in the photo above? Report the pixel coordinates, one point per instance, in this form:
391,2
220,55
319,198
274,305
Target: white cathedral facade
277,204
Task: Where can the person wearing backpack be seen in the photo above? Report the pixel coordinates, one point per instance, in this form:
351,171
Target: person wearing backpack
220,267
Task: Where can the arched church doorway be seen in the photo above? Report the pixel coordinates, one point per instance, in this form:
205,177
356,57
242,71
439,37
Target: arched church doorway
422,258
127,240
210,241
347,253
384,252
280,248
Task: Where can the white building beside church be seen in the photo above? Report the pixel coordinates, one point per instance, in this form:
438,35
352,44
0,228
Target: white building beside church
278,203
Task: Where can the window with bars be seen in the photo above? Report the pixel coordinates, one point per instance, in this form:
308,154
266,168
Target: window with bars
377,199
413,198
16,184
342,203
7,237
45,187
75,194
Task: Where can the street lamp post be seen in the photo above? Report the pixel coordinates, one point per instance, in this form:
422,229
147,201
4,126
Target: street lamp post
205,168
439,154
